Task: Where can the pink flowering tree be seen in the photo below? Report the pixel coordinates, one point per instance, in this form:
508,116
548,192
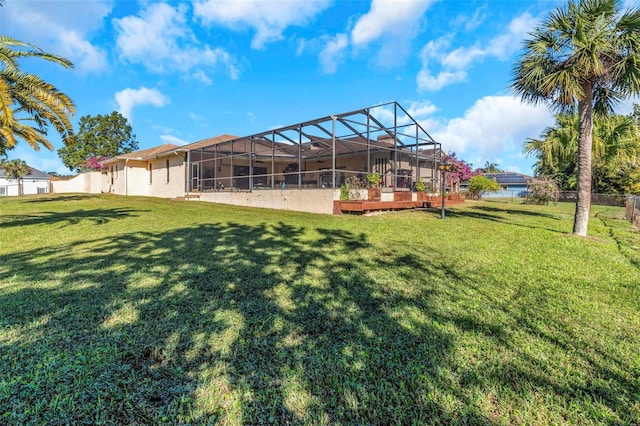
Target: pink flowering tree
460,171
93,163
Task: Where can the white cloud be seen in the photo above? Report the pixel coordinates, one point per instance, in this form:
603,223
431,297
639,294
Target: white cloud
333,53
269,19
389,18
128,99
91,58
388,23
173,139
418,110
471,22
393,24
202,77
60,29
484,131
452,65
432,52
509,42
426,81
159,38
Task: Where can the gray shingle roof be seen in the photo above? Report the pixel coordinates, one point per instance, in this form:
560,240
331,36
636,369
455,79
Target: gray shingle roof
33,174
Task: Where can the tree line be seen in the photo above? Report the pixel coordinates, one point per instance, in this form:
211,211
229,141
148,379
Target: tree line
615,152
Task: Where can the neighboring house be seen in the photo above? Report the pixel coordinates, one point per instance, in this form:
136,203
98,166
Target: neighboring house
34,182
512,184
298,167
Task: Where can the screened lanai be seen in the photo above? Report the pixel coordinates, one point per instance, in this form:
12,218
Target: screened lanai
320,153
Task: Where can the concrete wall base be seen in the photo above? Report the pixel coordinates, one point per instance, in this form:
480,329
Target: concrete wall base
310,200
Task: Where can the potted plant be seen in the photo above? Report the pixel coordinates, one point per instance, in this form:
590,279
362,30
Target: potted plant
420,189
373,179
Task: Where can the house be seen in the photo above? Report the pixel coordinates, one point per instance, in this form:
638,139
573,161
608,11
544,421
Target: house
34,182
512,184
297,167
155,172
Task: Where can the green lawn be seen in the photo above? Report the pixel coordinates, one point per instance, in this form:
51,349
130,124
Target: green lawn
147,311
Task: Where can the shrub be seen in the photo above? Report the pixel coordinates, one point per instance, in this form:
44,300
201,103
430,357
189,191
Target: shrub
479,184
374,179
420,186
344,192
353,185
542,192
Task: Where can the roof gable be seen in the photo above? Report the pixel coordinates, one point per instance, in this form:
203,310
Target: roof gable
209,141
144,154
33,174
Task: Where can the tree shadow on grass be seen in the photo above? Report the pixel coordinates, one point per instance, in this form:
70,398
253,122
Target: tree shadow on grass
57,198
515,217
251,324
260,324
96,216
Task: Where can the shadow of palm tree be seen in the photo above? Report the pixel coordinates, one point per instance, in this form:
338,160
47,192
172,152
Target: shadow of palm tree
96,216
507,216
58,198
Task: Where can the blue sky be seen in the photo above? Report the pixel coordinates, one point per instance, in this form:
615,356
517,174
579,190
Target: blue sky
185,71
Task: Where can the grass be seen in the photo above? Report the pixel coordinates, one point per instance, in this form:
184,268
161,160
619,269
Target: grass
148,311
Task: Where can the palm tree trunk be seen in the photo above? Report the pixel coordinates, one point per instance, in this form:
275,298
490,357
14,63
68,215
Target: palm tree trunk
585,142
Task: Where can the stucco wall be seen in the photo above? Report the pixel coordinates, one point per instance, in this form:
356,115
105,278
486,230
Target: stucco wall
136,178
167,185
311,201
116,178
88,182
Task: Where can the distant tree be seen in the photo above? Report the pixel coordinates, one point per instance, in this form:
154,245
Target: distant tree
99,137
29,104
16,169
491,168
584,57
479,184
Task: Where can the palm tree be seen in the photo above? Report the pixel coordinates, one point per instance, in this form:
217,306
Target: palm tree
491,168
584,57
556,150
616,145
29,104
16,169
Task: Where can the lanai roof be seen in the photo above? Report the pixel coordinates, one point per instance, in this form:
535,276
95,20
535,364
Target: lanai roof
353,132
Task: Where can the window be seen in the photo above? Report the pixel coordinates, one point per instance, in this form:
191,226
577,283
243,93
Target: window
3,190
42,190
167,165
150,173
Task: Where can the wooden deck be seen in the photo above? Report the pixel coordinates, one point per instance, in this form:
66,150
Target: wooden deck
364,206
